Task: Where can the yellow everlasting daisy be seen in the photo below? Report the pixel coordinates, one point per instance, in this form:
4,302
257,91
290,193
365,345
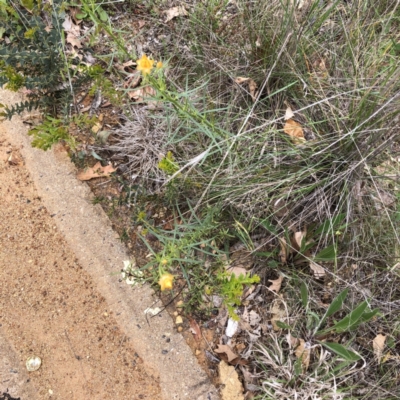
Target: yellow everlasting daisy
144,65
166,281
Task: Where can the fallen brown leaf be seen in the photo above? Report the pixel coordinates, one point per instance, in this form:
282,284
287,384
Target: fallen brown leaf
97,171
319,272
289,114
133,80
276,284
224,348
277,315
252,85
294,130
195,328
173,12
298,239
284,253
303,352
237,271
378,345
74,40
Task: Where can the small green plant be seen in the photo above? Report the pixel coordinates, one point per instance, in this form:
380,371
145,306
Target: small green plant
168,165
51,131
231,289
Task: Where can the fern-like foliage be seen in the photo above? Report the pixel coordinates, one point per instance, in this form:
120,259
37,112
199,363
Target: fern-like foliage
51,131
31,54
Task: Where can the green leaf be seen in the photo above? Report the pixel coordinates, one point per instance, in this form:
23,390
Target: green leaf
28,4
350,320
336,304
327,254
282,325
304,294
341,351
81,15
330,224
102,14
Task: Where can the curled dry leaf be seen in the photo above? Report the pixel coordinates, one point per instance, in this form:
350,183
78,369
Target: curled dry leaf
294,130
173,12
252,86
224,348
276,284
141,93
303,352
133,81
97,171
284,253
318,271
195,328
298,239
378,345
289,114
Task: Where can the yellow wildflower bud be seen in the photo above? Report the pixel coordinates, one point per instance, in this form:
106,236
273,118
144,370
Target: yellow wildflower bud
159,65
144,64
164,261
166,281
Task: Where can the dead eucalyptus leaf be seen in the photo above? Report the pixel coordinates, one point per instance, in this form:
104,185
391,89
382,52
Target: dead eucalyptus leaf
303,352
276,284
173,12
378,345
97,171
318,271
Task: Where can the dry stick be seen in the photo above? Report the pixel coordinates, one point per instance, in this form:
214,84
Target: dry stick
245,121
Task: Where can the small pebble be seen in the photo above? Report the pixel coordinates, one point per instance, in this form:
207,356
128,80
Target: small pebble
197,352
180,329
164,352
179,320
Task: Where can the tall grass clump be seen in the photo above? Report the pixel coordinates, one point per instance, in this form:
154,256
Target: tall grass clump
235,68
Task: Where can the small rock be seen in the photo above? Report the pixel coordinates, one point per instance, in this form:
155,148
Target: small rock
179,320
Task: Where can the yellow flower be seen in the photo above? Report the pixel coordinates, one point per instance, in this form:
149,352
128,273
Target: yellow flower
166,281
144,64
159,65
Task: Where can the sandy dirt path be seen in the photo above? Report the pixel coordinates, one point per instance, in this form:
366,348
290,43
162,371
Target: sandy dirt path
50,307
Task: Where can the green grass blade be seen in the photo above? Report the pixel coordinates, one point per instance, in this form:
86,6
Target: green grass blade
327,254
351,320
304,294
342,351
336,305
